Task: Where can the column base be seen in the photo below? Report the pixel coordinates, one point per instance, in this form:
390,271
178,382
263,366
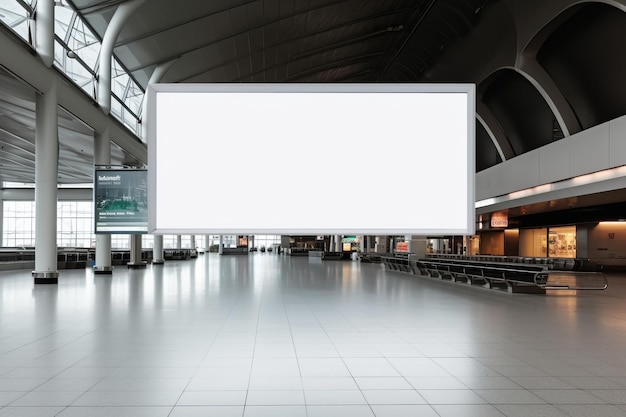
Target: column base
158,262
136,265
102,269
46,277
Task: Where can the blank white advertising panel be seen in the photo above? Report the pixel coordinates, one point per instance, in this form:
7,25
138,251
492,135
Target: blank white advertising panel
311,158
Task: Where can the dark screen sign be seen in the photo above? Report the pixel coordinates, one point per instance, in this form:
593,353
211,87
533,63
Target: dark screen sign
121,201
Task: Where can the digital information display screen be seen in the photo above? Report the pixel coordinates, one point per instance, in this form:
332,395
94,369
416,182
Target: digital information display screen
121,201
311,159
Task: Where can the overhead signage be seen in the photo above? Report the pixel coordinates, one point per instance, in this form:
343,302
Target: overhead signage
121,201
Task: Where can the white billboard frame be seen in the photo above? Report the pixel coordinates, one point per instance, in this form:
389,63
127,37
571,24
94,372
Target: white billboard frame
198,173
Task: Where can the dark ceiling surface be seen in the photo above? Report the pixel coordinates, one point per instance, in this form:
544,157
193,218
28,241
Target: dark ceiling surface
578,46
485,42
282,40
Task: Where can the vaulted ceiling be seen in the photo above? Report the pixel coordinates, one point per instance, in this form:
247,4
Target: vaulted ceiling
543,70
282,40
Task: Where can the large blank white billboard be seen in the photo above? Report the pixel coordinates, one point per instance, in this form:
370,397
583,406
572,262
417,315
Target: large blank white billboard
378,159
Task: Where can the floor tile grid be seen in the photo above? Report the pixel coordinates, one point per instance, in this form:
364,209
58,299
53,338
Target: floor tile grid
305,398
68,402
219,402
523,391
420,399
378,400
595,388
33,397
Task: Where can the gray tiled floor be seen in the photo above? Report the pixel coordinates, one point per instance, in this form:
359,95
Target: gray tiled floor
269,335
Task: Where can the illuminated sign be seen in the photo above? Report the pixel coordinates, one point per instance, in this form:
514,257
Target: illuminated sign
121,201
500,219
402,247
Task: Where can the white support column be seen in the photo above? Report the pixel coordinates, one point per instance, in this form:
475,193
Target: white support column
1,219
220,249
102,148
157,251
102,156
193,241
122,13
338,247
44,31
46,173
135,252
157,74
207,243
179,242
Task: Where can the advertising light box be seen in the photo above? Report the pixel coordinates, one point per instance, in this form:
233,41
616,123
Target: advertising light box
311,159
121,201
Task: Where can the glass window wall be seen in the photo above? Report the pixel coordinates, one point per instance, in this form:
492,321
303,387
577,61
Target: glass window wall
76,54
16,16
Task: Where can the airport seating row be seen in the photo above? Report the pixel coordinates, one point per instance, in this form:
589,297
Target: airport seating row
235,251
568,264
333,256
24,258
527,277
300,251
78,258
330,255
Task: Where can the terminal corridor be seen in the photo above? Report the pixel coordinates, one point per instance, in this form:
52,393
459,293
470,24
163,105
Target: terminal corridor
268,335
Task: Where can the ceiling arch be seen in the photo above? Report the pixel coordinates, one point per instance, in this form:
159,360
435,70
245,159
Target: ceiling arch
520,110
586,58
557,64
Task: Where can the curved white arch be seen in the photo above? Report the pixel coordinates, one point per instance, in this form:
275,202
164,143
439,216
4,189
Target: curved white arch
527,66
122,13
488,121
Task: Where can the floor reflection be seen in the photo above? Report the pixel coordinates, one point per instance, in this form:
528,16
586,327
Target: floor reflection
278,329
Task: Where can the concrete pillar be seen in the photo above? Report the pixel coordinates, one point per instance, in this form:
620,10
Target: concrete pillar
220,249
157,251
121,15
102,146
382,244
135,252
193,241
44,31
156,77
102,156
46,173
157,74
1,217
338,247
179,242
